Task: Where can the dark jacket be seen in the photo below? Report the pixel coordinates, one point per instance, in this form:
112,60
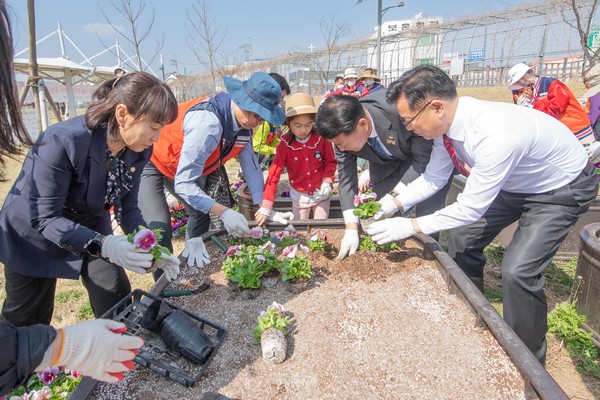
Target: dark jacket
411,153
22,350
57,202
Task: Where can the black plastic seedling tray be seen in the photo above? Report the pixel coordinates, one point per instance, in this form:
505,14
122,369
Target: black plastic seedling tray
154,354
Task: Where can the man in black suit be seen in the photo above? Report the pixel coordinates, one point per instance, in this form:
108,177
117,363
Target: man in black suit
370,128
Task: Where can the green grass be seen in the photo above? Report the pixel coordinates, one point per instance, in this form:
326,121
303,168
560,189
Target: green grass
494,296
85,312
565,323
559,276
66,296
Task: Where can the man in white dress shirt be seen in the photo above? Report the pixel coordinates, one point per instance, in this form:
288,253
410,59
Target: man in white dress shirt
522,165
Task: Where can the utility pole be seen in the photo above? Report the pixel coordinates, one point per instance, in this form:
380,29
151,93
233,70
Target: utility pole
33,65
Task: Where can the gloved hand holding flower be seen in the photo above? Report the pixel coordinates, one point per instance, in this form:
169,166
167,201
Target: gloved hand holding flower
146,240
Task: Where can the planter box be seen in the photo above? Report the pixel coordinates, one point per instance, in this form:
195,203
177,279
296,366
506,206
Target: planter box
569,247
452,285
283,204
586,288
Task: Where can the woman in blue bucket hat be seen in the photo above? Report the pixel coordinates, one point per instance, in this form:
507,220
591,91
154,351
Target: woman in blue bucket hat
190,156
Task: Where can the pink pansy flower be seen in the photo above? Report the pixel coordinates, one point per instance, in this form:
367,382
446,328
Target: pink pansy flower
76,374
305,249
270,246
290,251
282,234
315,235
48,375
257,232
278,307
370,196
357,200
234,250
261,259
144,240
45,393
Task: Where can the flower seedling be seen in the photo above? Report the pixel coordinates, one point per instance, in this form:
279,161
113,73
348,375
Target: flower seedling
287,238
366,243
294,265
274,317
317,240
245,265
147,240
365,205
51,383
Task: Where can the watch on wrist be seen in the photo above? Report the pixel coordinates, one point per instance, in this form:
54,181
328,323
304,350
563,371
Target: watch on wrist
393,194
94,247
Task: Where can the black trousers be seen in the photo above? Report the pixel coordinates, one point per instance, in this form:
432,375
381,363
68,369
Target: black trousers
30,300
544,220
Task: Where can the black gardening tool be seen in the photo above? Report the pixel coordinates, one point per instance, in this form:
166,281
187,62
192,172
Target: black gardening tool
184,292
219,243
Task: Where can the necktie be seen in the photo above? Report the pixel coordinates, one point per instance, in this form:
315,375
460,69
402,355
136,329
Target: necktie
454,157
378,149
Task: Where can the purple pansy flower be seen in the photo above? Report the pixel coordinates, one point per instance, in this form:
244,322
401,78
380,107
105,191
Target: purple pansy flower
304,248
261,259
144,240
48,375
257,232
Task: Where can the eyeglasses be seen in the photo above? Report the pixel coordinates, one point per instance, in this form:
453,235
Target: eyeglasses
410,121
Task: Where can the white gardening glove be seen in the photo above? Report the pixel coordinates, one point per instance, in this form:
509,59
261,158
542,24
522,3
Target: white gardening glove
235,223
169,264
265,211
97,349
324,192
363,181
282,218
391,230
593,150
388,207
195,252
118,250
349,243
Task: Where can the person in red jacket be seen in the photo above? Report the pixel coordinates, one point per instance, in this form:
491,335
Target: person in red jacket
309,161
552,97
352,86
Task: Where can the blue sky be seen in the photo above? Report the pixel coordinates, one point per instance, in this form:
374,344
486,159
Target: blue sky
272,27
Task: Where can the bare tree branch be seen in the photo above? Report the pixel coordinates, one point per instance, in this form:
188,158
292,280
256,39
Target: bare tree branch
582,23
204,37
133,11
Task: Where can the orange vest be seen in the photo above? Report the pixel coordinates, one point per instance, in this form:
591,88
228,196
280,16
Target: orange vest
167,150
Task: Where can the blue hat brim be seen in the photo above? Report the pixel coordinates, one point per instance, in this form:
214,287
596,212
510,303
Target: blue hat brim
239,96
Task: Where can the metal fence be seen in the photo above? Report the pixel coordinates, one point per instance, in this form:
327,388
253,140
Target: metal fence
476,50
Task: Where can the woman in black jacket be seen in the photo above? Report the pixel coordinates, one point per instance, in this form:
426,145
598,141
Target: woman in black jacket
95,348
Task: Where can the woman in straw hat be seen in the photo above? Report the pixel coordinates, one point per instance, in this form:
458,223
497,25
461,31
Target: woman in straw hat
371,80
309,161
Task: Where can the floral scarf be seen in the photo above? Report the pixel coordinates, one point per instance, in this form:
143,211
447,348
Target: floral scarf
118,180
